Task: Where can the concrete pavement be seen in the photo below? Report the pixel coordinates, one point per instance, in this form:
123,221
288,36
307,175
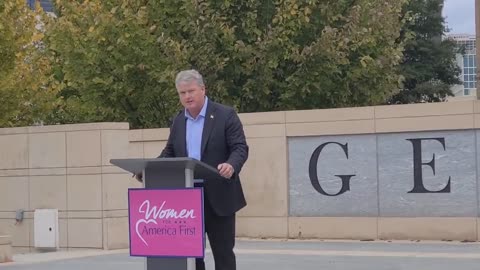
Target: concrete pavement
285,255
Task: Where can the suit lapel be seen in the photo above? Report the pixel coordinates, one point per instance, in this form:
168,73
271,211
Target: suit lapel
208,124
182,134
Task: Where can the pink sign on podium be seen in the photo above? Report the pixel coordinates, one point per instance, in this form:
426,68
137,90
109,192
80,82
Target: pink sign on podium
166,222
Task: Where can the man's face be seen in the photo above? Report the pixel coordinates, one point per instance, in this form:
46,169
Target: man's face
192,96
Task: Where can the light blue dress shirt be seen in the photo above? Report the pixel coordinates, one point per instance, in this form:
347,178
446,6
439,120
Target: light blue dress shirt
194,134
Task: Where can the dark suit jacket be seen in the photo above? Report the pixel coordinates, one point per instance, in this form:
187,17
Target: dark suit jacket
223,140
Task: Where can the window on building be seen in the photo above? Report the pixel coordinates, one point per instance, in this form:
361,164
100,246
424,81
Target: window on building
47,5
469,74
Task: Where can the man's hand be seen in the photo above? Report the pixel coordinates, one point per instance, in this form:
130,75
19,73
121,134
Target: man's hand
138,176
226,170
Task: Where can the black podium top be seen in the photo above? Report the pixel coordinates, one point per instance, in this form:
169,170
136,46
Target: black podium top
137,165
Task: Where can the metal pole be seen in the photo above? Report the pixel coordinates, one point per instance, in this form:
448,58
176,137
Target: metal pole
477,34
189,183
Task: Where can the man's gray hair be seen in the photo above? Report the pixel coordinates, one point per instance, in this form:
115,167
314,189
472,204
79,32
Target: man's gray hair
188,76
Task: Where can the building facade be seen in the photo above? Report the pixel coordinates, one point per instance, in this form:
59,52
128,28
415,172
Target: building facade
47,5
468,65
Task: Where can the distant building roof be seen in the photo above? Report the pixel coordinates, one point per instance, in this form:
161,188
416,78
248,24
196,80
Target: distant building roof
460,37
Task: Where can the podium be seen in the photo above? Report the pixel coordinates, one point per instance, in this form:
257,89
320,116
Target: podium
168,173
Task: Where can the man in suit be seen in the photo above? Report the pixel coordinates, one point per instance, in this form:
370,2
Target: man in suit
212,133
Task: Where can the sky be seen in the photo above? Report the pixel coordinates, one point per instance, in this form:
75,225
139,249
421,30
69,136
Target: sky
460,16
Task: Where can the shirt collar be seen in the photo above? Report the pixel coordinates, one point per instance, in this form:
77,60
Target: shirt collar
202,112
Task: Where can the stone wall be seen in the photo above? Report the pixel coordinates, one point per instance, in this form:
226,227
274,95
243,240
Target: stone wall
66,168
5,249
384,172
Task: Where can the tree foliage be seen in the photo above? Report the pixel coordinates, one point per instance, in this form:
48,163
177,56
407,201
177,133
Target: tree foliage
429,67
25,93
110,65
116,59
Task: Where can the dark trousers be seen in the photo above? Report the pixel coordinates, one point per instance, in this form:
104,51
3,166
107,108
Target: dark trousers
221,236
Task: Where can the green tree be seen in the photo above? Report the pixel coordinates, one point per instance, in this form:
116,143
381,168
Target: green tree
429,67
280,55
25,89
111,67
117,59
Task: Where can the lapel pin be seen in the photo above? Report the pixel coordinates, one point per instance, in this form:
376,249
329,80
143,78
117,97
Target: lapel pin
211,116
